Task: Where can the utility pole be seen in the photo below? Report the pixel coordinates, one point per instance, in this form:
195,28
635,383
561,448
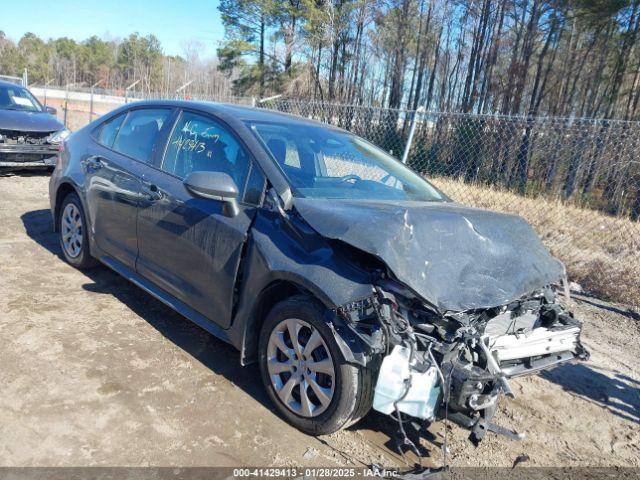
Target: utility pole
91,100
45,91
181,88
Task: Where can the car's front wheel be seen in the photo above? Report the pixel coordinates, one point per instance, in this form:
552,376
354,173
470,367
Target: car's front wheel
304,372
74,238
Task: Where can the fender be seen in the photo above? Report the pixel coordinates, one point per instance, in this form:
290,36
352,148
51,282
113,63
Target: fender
276,259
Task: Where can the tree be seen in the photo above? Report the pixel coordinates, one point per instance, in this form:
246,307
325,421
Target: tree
34,55
139,58
246,23
97,56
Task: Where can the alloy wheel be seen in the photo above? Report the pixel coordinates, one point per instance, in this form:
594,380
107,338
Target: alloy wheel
71,230
300,367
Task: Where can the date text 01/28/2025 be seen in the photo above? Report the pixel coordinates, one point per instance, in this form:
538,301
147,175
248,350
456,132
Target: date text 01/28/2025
292,472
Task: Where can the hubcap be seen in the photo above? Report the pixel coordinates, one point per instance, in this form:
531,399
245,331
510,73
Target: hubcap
71,230
300,367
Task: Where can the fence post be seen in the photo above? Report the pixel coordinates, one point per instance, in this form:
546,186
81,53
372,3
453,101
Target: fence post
91,106
412,131
181,89
66,104
126,90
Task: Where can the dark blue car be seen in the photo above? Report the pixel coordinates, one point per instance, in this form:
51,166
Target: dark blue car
29,132
350,279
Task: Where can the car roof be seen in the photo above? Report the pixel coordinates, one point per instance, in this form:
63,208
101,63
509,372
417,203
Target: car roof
237,112
4,83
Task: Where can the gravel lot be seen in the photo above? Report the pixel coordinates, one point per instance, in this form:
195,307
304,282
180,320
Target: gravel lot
96,372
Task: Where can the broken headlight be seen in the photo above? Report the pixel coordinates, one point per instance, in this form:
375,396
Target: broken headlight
59,136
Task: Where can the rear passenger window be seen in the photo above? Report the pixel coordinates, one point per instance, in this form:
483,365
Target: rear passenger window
139,132
108,131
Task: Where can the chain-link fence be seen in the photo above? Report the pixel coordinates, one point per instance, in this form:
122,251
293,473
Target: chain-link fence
77,106
577,181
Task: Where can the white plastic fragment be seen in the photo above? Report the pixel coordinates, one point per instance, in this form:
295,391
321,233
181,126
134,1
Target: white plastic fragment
416,393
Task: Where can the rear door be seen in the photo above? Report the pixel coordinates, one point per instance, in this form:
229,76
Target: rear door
126,142
187,246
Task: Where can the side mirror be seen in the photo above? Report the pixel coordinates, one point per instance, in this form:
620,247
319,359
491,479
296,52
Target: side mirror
51,110
215,186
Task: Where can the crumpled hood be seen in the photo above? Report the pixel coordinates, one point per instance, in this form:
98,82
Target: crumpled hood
29,121
456,258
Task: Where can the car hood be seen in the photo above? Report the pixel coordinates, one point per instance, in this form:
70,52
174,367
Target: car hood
456,258
29,121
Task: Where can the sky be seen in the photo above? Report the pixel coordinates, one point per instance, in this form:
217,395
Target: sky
174,22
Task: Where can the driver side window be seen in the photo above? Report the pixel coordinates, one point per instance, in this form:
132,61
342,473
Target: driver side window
199,143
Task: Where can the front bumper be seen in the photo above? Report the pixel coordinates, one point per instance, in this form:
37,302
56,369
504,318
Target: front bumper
475,354
28,156
537,350
512,355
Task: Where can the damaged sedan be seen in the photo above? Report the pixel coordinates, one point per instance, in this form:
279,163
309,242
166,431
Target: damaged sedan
29,133
349,279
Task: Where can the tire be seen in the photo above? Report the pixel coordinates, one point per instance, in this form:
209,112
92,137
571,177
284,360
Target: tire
351,386
72,221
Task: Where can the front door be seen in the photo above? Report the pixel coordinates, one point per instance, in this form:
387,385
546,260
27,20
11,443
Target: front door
187,246
113,186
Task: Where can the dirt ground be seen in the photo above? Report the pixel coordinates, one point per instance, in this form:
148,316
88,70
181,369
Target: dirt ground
96,372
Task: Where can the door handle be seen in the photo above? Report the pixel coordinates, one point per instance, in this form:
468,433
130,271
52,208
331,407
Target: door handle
152,192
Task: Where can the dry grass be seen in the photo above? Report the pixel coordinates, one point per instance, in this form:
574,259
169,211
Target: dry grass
602,253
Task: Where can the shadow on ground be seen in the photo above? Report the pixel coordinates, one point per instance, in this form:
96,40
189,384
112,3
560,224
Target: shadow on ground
386,426
216,355
25,172
618,393
596,302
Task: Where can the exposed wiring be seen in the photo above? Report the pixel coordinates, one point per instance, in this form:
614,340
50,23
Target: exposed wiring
387,334
427,337
384,326
406,440
435,364
446,401
403,328
445,446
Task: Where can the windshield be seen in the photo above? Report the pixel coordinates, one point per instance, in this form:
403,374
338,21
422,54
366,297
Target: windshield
326,163
18,98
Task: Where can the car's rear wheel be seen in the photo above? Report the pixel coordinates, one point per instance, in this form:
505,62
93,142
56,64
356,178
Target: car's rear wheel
74,238
304,372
